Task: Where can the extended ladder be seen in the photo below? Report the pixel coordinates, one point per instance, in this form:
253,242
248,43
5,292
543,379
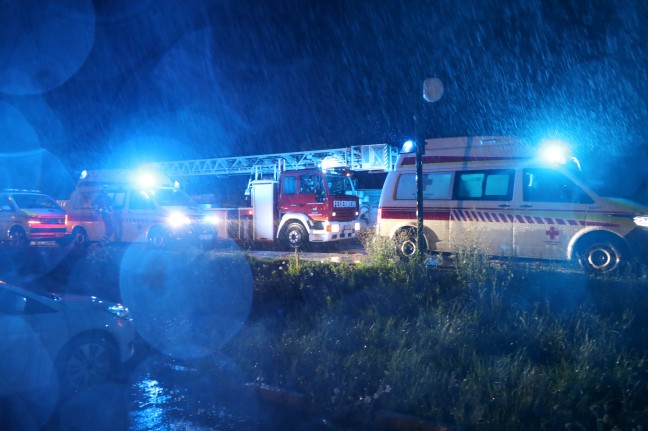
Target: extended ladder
360,158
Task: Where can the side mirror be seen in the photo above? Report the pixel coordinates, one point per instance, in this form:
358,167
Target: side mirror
5,208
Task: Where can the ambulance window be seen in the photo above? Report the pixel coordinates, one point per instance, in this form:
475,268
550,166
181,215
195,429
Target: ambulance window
119,199
84,201
290,185
406,187
548,185
139,200
435,186
496,185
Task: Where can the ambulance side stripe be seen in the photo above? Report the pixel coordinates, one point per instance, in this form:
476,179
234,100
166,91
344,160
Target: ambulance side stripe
399,213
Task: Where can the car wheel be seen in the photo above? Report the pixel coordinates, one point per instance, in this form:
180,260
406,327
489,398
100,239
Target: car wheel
80,237
601,255
18,237
157,238
294,235
87,361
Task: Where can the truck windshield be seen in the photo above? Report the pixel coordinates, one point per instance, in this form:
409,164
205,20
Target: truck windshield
173,198
339,185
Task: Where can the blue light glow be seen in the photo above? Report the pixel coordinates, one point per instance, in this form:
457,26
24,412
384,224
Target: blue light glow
408,147
554,152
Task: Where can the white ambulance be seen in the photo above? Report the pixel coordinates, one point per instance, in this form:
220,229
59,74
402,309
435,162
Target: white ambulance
142,207
507,198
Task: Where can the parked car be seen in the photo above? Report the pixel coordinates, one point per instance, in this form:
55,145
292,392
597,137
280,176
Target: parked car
27,216
77,341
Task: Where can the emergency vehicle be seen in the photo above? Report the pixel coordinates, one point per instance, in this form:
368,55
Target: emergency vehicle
508,198
296,198
28,215
144,207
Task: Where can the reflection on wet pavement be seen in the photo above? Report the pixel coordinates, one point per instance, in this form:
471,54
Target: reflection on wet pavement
167,396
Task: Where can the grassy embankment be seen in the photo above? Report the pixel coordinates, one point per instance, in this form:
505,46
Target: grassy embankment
484,346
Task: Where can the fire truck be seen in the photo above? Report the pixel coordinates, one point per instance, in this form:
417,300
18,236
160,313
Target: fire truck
295,198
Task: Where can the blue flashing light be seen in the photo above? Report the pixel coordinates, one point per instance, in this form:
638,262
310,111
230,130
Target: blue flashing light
554,152
329,163
408,147
147,179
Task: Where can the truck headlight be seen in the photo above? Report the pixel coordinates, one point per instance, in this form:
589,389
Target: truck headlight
641,221
177,219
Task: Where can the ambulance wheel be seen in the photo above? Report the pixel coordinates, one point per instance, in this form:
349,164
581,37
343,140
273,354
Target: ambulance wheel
406,243
17,237
601,255
158,238
79,237
294,235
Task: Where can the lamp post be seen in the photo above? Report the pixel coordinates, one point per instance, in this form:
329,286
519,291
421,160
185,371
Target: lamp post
432,92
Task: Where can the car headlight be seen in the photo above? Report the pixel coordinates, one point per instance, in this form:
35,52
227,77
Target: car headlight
641,221
119,311
177,219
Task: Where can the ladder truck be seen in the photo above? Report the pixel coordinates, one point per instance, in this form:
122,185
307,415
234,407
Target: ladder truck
296,198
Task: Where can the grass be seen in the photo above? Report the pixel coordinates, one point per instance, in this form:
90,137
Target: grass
485,345
488,346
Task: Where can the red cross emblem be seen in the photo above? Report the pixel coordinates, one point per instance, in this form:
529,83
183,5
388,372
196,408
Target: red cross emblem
552,233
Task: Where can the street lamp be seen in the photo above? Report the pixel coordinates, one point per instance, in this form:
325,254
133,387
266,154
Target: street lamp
432,92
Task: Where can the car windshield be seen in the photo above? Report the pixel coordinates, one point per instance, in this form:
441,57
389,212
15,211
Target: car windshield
34,201
173,198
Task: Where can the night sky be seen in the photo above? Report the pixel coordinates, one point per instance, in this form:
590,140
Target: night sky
118,83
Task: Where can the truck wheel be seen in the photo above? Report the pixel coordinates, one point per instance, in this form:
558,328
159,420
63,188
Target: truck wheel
157,238
17,237
294,235
601,255
80,237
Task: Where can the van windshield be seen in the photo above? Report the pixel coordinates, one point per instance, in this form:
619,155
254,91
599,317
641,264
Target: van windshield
34,201
173,198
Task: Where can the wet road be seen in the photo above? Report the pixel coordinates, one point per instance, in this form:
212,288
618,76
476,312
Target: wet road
159,393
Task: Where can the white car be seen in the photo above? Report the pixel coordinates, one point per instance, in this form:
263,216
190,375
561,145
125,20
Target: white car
73,342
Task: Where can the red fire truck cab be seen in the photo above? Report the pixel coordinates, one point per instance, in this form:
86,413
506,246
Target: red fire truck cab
303,206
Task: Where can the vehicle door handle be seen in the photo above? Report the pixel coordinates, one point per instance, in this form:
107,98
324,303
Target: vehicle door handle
504,206
525,206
